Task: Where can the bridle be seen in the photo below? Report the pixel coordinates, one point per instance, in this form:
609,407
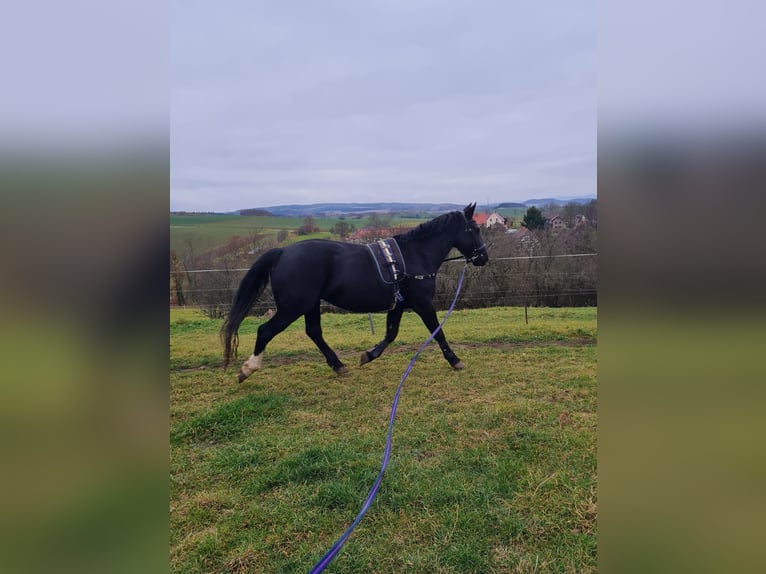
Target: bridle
476,253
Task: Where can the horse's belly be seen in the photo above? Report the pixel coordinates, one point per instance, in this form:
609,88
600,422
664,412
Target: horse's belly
365,299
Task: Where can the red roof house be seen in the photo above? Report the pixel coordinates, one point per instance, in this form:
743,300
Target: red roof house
480,218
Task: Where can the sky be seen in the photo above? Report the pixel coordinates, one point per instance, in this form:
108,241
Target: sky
380,100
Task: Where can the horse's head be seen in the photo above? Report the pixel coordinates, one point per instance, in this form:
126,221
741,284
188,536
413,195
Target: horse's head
469,241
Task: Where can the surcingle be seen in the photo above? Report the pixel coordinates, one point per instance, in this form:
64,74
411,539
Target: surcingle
389,263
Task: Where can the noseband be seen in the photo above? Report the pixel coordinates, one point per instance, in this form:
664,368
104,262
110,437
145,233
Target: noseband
476,253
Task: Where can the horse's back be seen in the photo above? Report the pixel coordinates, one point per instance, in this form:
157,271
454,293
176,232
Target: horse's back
320,255
314,262
340,273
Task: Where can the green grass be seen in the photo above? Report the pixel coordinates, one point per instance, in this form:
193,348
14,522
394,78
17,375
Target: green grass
209,231
516,213
493,468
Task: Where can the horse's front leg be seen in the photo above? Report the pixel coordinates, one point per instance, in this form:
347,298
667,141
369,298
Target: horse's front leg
392,330
428,314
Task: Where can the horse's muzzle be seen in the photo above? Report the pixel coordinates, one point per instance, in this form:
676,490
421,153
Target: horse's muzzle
480,259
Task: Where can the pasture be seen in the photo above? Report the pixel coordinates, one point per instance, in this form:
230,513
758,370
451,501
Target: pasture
213,230
516,213
493,468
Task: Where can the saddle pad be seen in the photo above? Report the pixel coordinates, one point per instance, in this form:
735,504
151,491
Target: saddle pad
388,260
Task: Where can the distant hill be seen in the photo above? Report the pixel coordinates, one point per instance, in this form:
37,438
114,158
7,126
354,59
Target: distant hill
334,209
558,201
255,212
421,209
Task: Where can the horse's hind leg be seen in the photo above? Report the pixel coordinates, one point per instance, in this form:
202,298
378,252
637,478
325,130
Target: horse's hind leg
392,330
266,332
314,331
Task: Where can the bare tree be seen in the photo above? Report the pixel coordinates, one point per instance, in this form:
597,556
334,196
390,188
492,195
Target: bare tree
177,279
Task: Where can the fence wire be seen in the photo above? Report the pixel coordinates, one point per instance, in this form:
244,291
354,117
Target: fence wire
508,281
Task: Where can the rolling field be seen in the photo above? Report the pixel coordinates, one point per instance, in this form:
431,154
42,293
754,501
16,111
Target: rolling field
214,230
516,213
493,468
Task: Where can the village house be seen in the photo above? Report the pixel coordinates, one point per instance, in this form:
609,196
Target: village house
488,220
556,223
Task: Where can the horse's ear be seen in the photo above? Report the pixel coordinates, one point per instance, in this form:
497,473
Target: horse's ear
468,211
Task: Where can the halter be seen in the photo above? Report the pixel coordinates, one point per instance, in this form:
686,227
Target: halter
474,254
476,250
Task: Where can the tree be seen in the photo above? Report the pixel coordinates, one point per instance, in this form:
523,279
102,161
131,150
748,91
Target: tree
212,275
309,226
377,221
343,229
256,238
591,212
533,219
570,212
176,279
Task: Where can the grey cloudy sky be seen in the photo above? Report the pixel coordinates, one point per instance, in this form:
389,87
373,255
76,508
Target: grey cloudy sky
381,100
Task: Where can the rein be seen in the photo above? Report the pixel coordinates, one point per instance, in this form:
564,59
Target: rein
333,551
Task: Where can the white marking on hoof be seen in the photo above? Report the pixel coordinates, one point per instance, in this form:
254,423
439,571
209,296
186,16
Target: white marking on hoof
459,366
253,363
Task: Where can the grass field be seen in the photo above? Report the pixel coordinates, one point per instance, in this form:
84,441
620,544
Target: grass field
214,230
493,468
516,213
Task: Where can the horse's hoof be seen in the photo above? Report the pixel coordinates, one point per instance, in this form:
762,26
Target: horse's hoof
253,363
459,366
342,370
364,359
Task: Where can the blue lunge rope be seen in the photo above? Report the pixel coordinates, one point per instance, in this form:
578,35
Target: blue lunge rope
330,554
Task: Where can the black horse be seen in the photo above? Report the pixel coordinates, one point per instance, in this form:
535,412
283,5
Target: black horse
348,276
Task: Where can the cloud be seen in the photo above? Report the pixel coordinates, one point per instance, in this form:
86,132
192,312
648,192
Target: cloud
346,101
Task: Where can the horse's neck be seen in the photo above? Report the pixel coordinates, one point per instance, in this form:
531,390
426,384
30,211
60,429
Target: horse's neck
427,255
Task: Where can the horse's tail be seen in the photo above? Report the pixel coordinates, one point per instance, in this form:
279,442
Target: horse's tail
252,285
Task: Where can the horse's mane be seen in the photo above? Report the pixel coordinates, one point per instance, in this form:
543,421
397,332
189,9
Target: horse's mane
429,228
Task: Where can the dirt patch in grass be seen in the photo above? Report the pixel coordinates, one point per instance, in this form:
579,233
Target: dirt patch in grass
294,357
